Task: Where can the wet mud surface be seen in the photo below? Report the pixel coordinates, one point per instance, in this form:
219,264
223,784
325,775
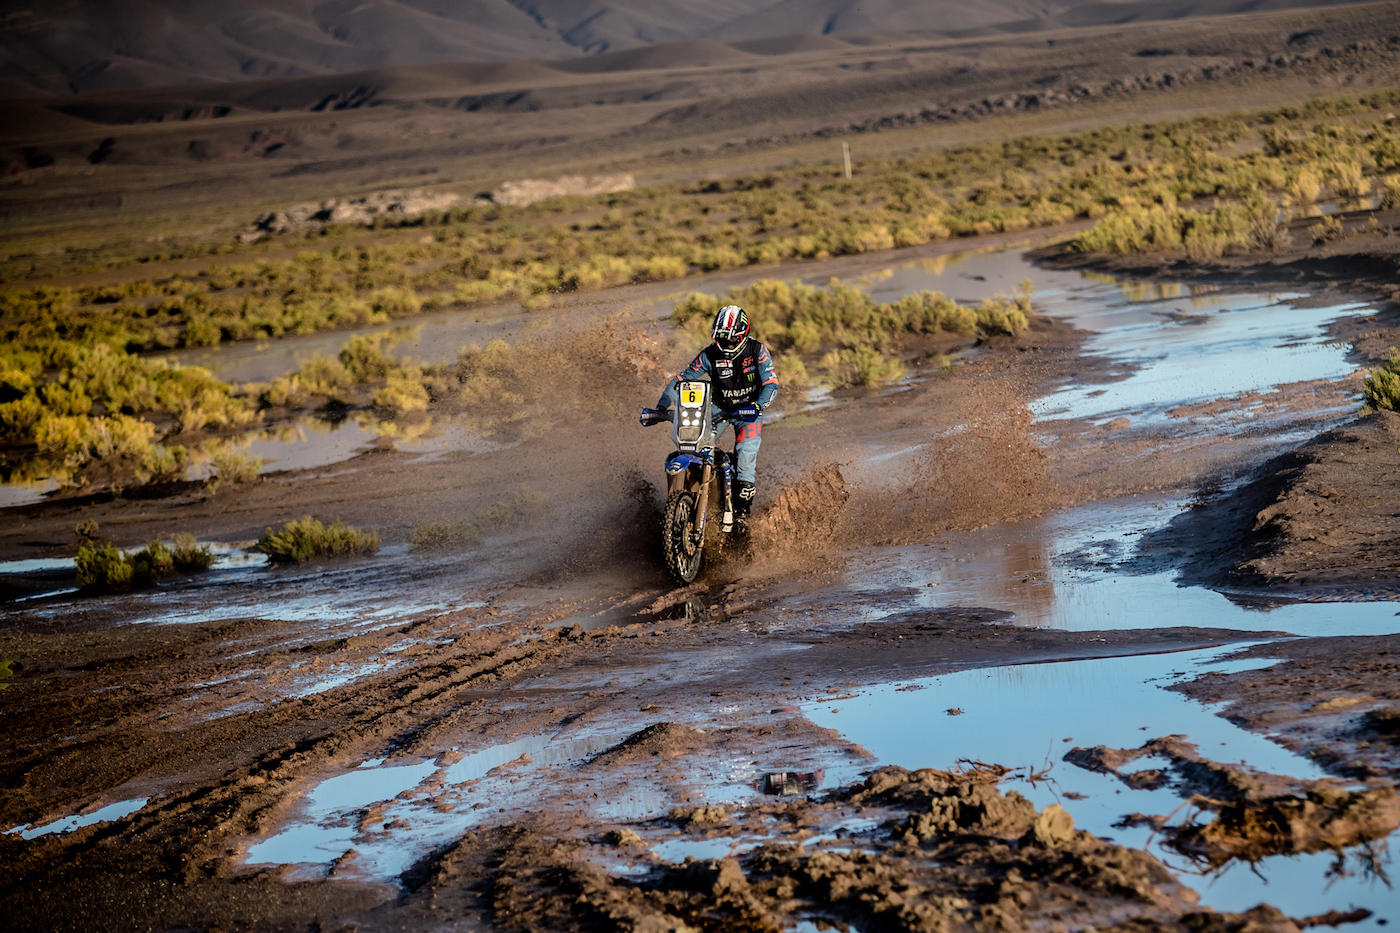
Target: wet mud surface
537,732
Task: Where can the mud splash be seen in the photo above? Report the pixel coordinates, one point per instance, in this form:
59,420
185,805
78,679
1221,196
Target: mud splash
806,512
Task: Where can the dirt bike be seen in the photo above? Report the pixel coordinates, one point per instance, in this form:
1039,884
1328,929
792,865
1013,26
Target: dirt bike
692,470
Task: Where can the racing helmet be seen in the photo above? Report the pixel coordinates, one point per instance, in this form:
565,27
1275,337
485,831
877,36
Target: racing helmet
731,329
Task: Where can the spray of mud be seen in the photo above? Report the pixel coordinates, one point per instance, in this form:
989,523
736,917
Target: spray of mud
807,512
988,468
578,392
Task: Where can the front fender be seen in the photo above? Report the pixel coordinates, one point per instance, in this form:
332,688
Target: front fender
680,461
683,471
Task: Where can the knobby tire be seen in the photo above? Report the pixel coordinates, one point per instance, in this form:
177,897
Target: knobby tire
682,562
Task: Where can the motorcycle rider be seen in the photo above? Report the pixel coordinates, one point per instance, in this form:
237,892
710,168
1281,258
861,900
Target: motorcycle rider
744,384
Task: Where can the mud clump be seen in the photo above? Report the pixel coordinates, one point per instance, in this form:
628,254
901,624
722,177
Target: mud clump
952,852
1322,818
658,740
1383,723
1255,815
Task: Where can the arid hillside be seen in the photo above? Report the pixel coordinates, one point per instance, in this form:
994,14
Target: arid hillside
80,46
227,152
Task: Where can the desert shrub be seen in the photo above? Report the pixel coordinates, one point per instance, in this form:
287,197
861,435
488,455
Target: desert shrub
1349,179
102,565
524,506
857,337
661,269
403,393
1390,192
444,536
1382,386
230,466
188,555
163,463
306,538
1135,230
153,562
1304,187
364,359
1329,228
862,366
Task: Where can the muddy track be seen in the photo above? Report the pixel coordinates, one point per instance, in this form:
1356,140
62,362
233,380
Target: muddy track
230,725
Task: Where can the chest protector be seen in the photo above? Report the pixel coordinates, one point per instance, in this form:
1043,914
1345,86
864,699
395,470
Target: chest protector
734,379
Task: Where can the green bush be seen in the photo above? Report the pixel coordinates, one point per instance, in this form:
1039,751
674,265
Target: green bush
102,565
306,538
854,336
1382,386
231,466
189,556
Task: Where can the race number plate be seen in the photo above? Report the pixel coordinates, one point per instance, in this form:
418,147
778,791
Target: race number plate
693,419
693,394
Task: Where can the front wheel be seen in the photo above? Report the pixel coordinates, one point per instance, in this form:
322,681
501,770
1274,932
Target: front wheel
680,546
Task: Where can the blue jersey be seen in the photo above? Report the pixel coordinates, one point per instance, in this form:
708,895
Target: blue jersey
743,378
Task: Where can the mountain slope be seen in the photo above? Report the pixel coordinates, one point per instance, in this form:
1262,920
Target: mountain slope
78,46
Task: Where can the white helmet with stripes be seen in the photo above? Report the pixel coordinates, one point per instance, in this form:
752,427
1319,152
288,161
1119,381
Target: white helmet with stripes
730,330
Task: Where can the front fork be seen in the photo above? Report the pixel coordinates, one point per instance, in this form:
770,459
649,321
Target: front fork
726,485
702,499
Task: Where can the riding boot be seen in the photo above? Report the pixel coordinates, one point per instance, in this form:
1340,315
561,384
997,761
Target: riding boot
743,504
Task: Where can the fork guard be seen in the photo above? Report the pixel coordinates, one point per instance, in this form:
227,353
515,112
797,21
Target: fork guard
685,469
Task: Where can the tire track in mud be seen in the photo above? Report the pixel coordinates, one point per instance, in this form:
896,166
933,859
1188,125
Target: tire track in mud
384,711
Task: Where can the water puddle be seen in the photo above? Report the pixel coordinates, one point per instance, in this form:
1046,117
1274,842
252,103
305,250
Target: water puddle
27,493
369,810
1238,344
1028,716
107,814
1176,343
352,596
36,565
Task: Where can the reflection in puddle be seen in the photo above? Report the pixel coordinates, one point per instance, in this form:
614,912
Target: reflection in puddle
1240,346
113,811
360,594
1043,710
13,494
1066,571
36,565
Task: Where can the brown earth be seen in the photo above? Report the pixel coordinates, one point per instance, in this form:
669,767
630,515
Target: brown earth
223,723
1334,699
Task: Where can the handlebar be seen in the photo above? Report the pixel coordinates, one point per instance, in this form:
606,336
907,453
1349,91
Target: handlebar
650,416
